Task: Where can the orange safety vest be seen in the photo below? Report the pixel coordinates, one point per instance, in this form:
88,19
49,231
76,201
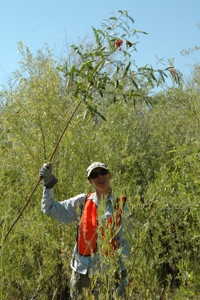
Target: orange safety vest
88,225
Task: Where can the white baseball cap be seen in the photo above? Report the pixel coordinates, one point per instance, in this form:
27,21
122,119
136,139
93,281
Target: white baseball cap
95,165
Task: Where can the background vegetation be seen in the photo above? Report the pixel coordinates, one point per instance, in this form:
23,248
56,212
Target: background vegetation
148,137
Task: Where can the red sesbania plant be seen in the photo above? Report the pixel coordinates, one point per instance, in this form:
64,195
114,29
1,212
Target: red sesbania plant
108,63
118,44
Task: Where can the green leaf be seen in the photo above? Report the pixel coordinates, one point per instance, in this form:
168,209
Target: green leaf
98,40
126,69
171,151
133,21
101,93
117,70
116,83
169,67
134,83
72,71
101,32
74,47
130,94
141,31
93,110
102,116
153,76
89,62
113,18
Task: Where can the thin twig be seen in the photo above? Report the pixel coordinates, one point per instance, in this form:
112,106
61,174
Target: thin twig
52,155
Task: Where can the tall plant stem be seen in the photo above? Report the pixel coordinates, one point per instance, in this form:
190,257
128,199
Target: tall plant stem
33,191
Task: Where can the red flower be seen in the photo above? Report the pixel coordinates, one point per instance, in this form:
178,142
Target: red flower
118,43
172,71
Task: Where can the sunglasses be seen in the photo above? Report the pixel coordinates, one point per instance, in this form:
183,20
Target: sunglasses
102,172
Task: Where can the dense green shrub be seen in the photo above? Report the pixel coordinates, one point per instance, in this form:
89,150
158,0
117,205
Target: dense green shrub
151,145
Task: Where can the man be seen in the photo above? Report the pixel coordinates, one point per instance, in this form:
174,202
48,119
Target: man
86,258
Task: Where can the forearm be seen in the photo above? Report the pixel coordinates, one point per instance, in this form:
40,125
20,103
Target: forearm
64,211
47,201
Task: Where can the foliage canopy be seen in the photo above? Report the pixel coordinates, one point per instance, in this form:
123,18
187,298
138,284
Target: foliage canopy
150,143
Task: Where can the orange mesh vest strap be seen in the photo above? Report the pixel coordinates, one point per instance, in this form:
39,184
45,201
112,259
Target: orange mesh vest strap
87,231
114,222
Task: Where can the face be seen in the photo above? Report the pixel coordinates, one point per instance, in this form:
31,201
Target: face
101,183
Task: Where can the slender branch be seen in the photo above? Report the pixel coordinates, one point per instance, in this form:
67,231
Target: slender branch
33,191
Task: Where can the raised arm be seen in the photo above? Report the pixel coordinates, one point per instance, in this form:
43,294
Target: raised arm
65,211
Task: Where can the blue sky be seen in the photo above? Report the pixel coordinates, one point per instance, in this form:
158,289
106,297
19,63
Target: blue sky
172,25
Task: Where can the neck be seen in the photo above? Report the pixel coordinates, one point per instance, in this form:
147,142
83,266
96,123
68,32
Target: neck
104,195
